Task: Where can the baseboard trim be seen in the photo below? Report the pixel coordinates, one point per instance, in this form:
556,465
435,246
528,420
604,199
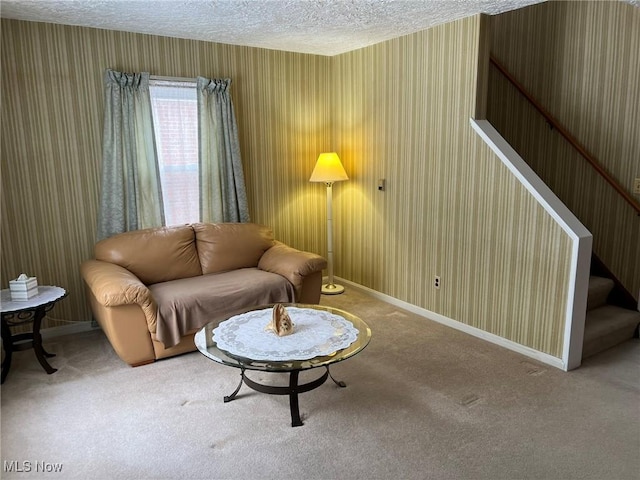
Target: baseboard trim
71,329
449,322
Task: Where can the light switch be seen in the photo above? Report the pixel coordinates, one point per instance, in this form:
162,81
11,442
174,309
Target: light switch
636,185
381,184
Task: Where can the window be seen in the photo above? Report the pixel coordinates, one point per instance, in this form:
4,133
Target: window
175,121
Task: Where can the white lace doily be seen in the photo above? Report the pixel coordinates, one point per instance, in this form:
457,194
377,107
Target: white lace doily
46,294
315,333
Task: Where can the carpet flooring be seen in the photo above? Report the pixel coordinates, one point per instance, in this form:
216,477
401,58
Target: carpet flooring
423,401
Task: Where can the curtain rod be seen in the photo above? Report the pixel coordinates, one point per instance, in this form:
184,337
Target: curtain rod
172,79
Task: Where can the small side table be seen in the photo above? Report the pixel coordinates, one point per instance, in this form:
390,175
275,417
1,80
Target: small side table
20,312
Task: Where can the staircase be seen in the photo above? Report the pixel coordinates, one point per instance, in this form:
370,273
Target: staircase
612,312
606,325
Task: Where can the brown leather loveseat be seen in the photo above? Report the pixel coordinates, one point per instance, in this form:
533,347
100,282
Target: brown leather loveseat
151,290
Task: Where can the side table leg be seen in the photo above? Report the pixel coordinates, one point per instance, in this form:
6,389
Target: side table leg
37,343
7,343
293,400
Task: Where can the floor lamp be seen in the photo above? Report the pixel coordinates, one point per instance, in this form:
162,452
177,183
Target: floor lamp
328,170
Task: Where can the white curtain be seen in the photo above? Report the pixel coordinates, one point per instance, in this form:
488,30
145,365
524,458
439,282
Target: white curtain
223,196
131,196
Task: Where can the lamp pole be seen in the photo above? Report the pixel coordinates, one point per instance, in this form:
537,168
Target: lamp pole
330,288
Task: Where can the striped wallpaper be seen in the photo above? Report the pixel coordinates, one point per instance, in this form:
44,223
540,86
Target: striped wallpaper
450,207
52,108
581,60
398,110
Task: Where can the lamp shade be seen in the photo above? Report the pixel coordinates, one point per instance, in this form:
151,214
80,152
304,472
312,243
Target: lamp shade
328,169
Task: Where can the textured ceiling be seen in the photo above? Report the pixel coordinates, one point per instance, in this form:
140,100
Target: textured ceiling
323,27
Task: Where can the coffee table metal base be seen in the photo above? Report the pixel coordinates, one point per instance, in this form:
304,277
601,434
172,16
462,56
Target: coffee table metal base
292,390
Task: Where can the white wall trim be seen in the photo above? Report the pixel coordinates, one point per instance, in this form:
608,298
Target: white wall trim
582,240
476,332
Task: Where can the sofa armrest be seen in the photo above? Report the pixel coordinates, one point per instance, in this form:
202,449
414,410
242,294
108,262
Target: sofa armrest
294,265
114,286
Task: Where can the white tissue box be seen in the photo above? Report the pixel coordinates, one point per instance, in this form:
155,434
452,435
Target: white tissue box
23,288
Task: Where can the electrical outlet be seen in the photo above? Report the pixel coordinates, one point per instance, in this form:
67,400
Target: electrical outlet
436,281
636,186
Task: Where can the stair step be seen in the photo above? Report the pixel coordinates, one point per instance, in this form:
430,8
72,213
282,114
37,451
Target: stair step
608,326
599,289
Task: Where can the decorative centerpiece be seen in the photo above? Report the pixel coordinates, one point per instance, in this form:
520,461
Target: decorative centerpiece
280,323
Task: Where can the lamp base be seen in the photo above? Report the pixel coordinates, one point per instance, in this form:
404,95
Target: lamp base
332,289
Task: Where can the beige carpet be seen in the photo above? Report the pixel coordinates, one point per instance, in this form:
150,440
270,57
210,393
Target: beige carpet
423,401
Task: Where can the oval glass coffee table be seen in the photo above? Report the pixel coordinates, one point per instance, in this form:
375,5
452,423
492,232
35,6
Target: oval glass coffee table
309,320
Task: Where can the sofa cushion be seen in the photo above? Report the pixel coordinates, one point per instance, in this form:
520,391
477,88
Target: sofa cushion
223,247
154,254
188,304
